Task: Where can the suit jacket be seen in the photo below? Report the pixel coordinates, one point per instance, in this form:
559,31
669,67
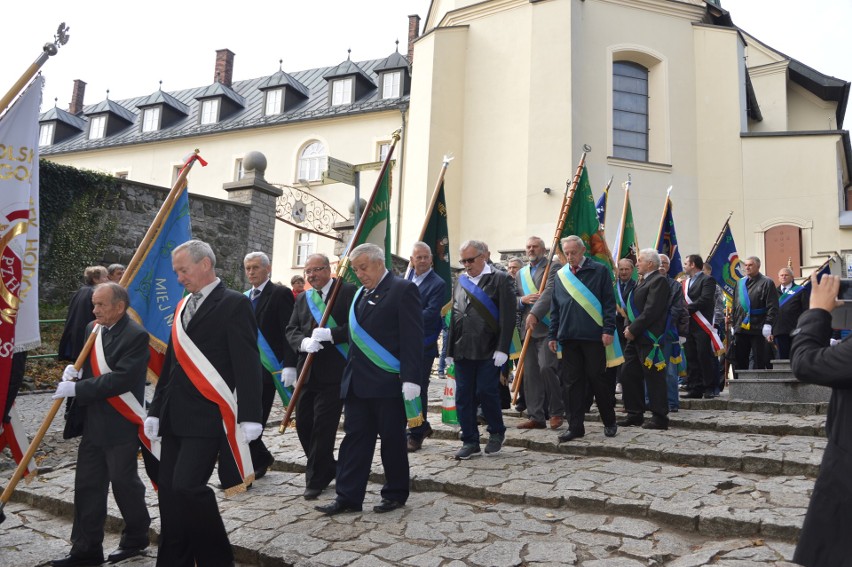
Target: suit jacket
432,292
763,295
569,320
470,338
126,353
392,315
651,300
79,315
327,365
702,292
272,311
225,331
541,308
788,314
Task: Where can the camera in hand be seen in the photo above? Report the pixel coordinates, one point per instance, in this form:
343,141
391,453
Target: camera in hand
841,316
845,292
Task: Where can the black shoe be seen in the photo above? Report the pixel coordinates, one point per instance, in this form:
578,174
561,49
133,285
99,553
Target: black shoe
611,430
467,451
123,553
72,560
312,493
654,425
414,444
387,506
336,507
630,422
710,396
673,410
691,395
260,472
570,435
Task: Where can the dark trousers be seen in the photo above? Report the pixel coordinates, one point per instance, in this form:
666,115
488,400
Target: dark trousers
365,419
701,375
477,382
97,468
260,455
583,372
428,360
637,378
192,532
541,382
744,345
783,342
317,418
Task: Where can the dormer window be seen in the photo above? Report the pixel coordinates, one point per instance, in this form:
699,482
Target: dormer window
97,127
210,111
274,98
151,119
45,134
341,91
391,82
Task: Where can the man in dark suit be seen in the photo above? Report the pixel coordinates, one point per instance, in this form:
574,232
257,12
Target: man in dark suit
792,302
107,452
644,361
381,375
624,285
700,291
319,405
433,293
197,413
483,320
755,311
273,306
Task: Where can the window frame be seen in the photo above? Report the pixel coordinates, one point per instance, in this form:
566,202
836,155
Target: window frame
395,84
46,134
277,98
346,95
307,247
209,111
151,119
630,143
313,164
97,127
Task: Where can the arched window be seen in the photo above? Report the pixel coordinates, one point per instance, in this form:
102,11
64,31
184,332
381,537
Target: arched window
312,162
629,111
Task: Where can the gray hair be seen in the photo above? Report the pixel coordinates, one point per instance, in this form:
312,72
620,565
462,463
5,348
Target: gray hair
197,250
573,238
421,244
628,260
115,267
669,260
321,256
478,245
371,251
652,256
264,259
786,269
539,240
119,293
754,259
516,260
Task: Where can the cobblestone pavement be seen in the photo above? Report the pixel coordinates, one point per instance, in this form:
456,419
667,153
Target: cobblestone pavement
721,487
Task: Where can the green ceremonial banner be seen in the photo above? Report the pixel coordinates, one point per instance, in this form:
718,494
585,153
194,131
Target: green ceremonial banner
437,237
582,220
626,244
376,225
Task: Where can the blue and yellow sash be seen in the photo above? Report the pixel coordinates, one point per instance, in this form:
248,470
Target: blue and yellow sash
788,295
316,304
745,303
528,286
656,358
272,365
592,305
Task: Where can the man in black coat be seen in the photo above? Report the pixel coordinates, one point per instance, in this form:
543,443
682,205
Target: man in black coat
319,405
381,374
644,362
273,306
80,314
824,539
792,302
700,289
107,452
212,353
753,325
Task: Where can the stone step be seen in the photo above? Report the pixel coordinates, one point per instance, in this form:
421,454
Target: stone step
766,374
724,402
786,390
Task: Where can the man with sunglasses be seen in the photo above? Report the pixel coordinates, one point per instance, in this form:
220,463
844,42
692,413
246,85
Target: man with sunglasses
483,319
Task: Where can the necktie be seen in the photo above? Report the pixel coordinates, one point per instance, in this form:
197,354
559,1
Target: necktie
319,293
255,293
363,302
574,269
641,279
191,307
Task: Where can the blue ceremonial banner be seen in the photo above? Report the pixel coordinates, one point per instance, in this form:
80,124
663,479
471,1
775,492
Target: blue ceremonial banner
667,240
600,208
154,288
726,262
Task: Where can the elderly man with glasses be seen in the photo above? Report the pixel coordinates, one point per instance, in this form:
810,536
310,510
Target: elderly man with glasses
483,320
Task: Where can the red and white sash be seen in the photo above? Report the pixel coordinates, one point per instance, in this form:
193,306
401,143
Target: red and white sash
126,404
212,386
702,321
15,438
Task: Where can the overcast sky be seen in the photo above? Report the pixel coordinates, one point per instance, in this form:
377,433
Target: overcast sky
129,47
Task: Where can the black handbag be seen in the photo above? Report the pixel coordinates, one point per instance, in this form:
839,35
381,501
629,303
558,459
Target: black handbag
75,419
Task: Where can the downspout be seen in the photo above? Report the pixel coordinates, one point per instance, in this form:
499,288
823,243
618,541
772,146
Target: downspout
403,107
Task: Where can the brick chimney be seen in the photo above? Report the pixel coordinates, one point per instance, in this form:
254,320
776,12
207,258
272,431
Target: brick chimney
413,33
76,106
224,67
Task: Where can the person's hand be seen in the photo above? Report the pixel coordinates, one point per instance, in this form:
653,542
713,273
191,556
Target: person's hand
288,376
500,358
767,331
448,361
65,390
410,390
628,335
530,298
532,321
310,345
681,340
251,430
824,292
833,342
321,334
553,346
152,428
71,374
606,339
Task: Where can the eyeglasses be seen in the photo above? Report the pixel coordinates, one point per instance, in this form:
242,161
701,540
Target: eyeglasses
309,271
466,261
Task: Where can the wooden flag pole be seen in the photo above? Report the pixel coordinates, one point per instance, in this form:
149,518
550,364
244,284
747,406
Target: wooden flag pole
432,201
342,266
132,267
666,206
567,198
719,238
49,49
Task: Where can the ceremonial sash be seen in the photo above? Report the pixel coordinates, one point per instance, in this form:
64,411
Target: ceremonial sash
481,303
213,387
584,297
382,358
272,365
317,307
788,295
528,286
745,303
655,357
705,325
125,404
15,438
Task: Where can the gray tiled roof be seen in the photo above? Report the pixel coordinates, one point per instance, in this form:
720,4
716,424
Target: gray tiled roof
346,69
162,97
113,107
282,79
394,61
251,116
218,89
57,113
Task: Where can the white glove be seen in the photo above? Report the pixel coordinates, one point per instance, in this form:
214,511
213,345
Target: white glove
71,374
65,390
152,428
310,345
251,430
448,361
321,334
767,331
833,342
289,376
500,358
410,390
681,340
